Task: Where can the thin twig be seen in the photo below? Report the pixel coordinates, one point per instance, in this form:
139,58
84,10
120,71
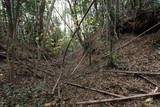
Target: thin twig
63,20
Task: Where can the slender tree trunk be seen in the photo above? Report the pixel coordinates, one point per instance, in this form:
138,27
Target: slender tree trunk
41,9
75,19
12,10
140,4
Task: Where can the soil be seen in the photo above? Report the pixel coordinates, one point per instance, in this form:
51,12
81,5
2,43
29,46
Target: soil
140,55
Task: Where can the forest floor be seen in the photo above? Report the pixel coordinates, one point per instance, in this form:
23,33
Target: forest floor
142,55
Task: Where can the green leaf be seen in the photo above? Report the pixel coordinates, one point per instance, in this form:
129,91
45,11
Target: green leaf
19,105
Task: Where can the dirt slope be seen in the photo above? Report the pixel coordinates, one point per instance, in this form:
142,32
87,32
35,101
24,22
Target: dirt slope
141,55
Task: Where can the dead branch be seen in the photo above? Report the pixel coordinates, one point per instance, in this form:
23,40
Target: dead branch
137,37
78,64
140,74
77,29
145,78
96,90
29,68
54,88
133,72
117,99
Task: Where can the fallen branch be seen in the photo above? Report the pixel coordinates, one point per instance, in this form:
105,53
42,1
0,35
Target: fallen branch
145,78
117,99
54,88
29,68
137,37
140,74
78,64
133,72
44,71
96,90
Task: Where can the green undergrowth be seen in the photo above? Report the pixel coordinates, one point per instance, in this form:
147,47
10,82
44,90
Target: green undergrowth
17,97
116,60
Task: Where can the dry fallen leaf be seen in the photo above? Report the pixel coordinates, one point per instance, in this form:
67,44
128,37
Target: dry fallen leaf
148,101
50,104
